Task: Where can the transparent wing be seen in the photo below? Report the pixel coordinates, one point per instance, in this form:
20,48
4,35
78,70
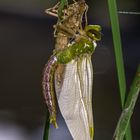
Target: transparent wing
75,98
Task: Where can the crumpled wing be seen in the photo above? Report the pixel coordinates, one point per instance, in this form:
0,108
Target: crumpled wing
75,98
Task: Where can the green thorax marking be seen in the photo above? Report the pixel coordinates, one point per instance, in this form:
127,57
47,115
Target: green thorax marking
83,46
75,50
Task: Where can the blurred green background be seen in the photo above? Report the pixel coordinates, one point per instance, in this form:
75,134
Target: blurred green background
26,42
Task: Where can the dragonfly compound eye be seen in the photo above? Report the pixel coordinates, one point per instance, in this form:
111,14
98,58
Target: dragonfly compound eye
93,32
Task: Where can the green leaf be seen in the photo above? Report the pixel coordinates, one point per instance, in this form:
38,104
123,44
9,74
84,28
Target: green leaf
128,108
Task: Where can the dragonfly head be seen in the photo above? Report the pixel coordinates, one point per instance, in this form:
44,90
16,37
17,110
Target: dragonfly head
93,32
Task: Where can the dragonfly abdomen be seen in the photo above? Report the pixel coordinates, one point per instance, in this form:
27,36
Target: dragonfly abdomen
48,89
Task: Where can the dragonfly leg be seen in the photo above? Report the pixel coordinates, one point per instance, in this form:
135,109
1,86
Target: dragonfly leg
53,11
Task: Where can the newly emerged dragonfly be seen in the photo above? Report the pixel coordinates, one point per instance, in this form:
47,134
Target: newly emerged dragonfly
70,68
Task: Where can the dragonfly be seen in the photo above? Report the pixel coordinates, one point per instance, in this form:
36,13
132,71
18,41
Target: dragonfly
68,74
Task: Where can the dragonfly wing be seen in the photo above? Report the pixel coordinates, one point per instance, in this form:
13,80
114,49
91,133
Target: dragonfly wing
75,98
86,78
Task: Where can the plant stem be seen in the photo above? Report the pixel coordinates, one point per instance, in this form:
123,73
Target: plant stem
128,108
46,129
118,54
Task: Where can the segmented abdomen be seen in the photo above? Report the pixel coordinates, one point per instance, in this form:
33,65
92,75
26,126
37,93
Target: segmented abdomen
48,88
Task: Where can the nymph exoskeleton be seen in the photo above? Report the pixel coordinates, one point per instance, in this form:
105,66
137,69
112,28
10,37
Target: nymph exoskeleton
69,23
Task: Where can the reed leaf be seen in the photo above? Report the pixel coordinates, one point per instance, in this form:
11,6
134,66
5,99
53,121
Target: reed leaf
128,108
118,55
